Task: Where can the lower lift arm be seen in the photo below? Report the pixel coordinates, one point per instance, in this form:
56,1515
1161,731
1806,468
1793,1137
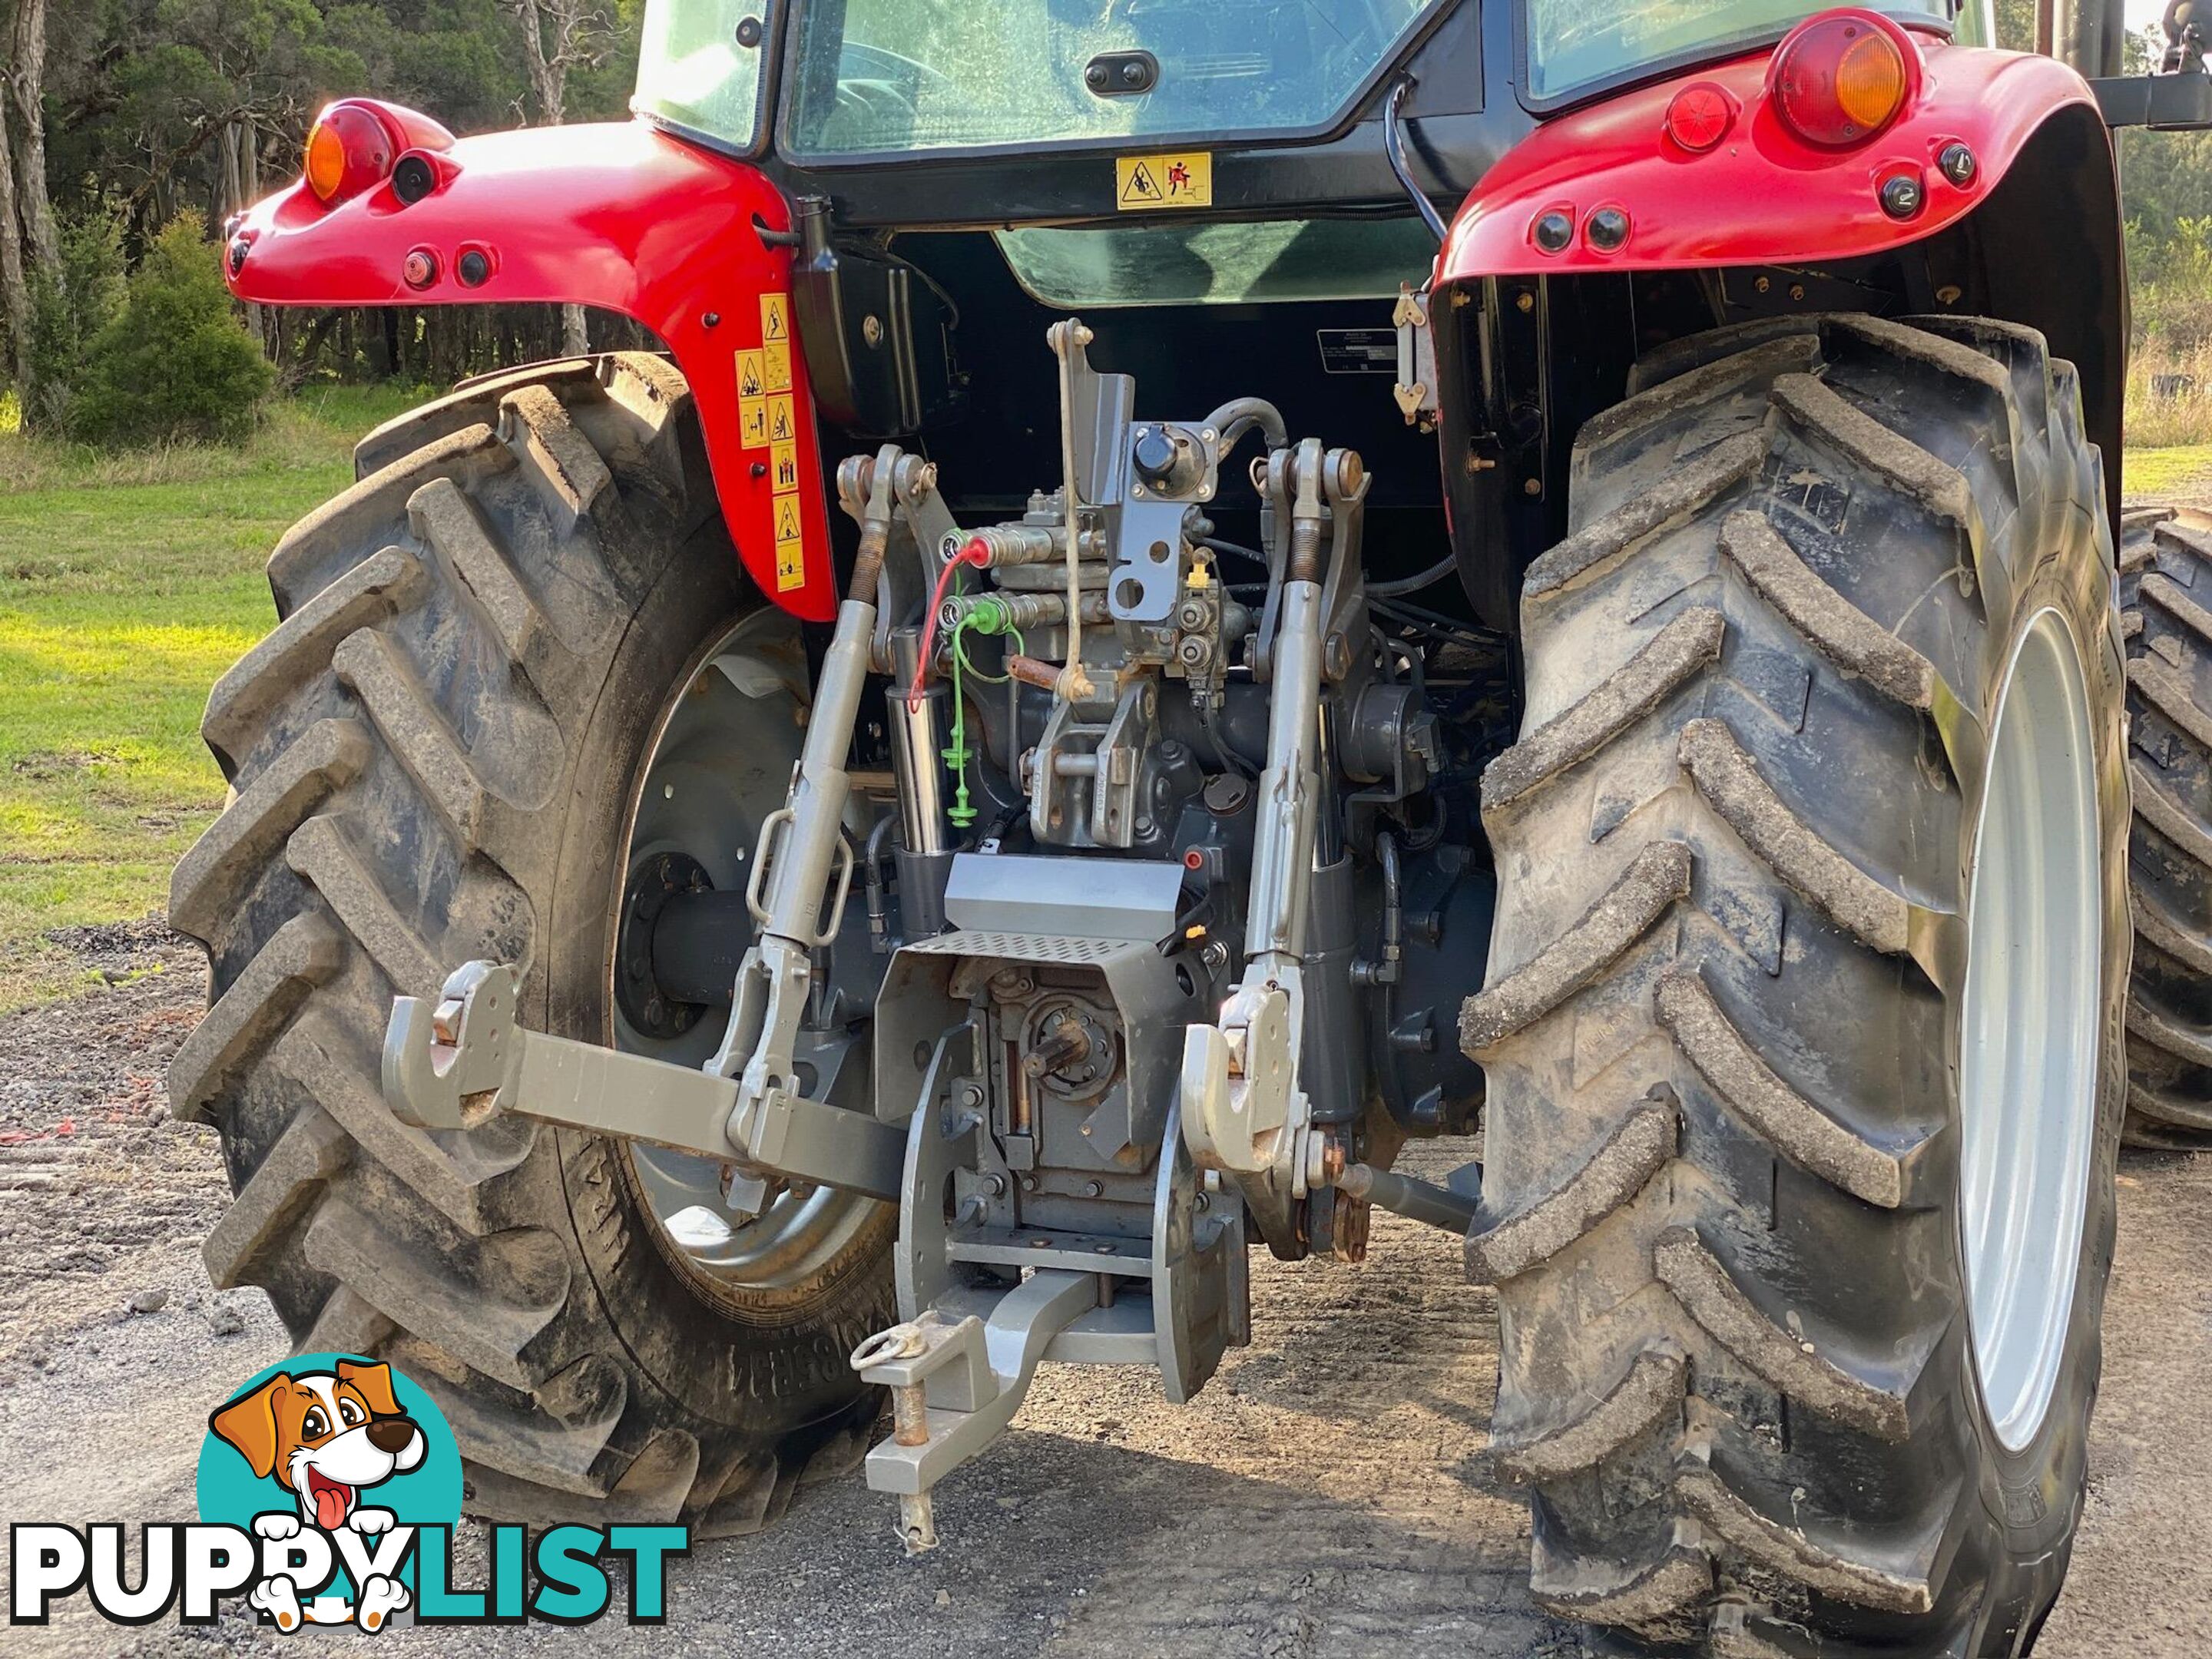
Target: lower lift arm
459,1063
466,1059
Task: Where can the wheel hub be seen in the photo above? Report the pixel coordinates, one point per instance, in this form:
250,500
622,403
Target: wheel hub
638,989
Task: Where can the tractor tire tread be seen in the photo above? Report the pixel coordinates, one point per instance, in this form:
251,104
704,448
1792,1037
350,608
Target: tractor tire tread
446,625
2165,562
1696,1405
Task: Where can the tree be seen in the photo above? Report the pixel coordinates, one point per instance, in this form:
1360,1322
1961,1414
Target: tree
26,92
72,301
26,217
2016,21
558,35
151,107
14,294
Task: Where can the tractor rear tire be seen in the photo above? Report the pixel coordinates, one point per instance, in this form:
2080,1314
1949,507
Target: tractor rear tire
433,758
1727,1173
2166,595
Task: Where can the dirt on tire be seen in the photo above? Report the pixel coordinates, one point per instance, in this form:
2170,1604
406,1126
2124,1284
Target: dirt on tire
1728,1148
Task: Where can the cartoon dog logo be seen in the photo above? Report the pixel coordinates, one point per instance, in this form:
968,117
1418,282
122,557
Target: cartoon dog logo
327,1437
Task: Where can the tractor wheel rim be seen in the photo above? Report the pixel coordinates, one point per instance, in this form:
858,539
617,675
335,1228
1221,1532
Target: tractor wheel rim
719,761
2029,1037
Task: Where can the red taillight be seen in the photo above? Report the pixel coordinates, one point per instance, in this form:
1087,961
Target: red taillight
1699,116
349,151
1839,79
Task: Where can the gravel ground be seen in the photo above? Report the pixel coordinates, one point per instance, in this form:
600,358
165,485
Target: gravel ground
1329,1494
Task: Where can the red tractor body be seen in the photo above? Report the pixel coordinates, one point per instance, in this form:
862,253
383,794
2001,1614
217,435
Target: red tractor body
1759,193
621,218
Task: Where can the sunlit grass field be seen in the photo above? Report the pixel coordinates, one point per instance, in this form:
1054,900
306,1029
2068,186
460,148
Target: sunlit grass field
127,585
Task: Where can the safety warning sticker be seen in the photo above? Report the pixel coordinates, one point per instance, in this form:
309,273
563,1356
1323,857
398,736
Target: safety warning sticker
786,519
766,420
1143,183
790,544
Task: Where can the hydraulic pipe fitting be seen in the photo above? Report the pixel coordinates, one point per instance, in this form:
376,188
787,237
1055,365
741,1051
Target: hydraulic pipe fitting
1007,544
1000,613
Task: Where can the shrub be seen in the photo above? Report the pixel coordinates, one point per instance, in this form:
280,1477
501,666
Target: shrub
70,304
175,364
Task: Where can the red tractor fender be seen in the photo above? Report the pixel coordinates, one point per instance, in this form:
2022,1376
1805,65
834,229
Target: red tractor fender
1760,194
620,217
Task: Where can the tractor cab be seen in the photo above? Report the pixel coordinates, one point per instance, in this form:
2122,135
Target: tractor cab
1269,183
1202,183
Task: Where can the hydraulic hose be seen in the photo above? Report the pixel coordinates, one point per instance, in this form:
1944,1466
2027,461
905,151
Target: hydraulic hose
1394,151
1428,578
1239,415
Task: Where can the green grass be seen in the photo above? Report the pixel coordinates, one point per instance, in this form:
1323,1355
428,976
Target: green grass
128,584
2161,475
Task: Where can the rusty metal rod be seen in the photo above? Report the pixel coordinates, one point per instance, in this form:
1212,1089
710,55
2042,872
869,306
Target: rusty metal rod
910,1414
917,1522
1030,672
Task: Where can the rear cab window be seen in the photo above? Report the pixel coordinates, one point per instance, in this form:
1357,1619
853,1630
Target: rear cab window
1225,263
697,71
878,77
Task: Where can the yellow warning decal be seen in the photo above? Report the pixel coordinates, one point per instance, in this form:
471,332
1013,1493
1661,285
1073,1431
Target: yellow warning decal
752,421
1153,182
752,374
790,566
783,465
790,545
775,318
776,365
787,518
782,425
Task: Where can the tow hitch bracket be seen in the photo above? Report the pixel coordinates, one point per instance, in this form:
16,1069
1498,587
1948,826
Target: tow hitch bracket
459,1063
956,1385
